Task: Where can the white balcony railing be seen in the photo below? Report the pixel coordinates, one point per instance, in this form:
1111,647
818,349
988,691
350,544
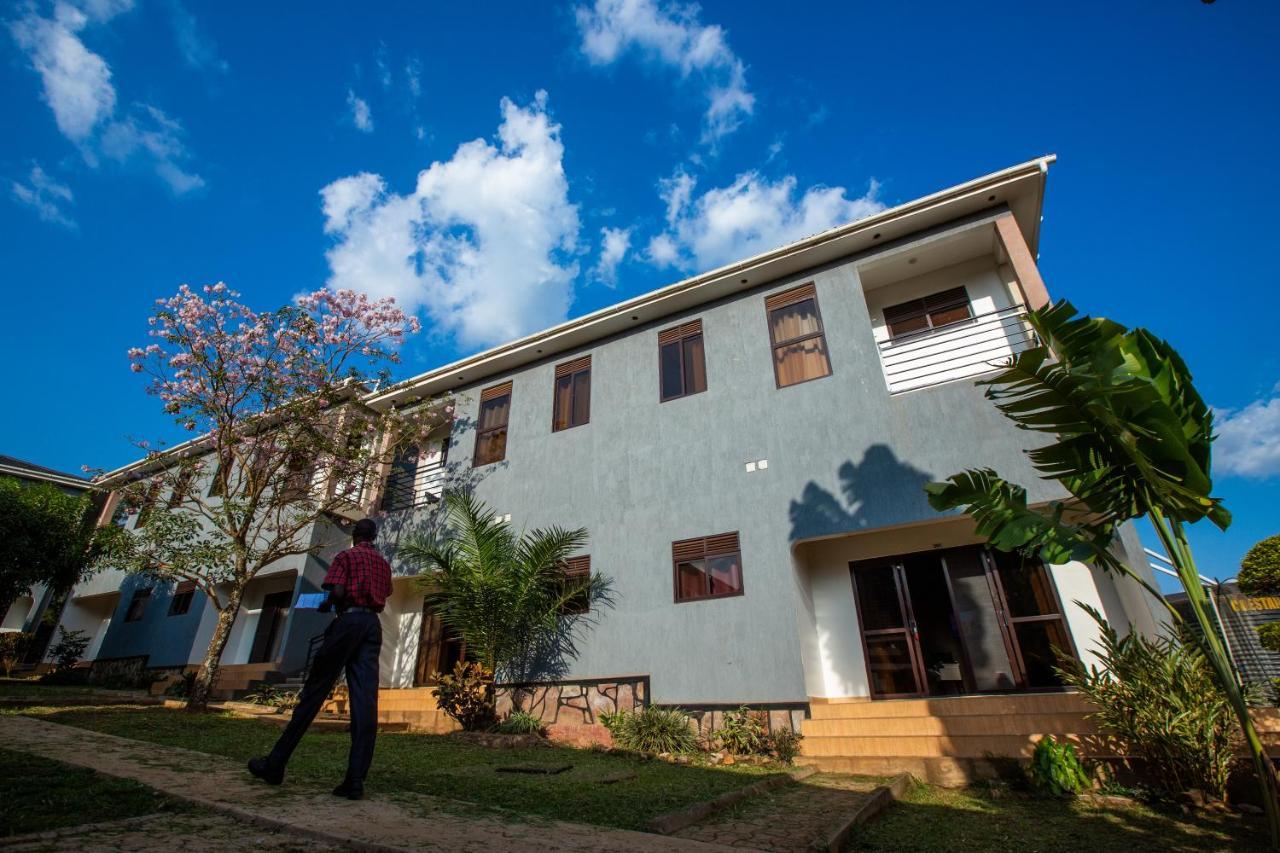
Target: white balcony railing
956,351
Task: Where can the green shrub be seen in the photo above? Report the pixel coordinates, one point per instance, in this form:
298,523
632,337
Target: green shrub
13,645
467,696
742,732
66,653
272,696
651,729
1159,697
785,745
520,723
1269,636
1056,769
180,687
1260,568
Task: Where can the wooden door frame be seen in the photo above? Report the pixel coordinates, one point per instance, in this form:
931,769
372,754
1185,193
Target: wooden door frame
1009,622
908,631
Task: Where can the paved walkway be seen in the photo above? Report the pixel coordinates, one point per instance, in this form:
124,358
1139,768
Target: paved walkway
379,823
788,819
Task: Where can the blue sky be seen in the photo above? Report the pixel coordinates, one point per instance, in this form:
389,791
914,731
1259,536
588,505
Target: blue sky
628,143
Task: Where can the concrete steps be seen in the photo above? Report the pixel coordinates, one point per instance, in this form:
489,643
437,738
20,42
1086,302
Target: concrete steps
412,708
948,741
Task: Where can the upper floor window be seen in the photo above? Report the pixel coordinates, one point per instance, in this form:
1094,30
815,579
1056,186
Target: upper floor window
795,331
573,394
416,476
577,570
708,567
930,312
137,604
183,593
147,505
181,487
491,425
682,366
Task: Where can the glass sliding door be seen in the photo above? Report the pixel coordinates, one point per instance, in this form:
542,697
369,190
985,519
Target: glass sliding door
889,637
980,621
1034,617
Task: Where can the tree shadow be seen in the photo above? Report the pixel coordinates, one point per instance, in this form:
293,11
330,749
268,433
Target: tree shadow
879,491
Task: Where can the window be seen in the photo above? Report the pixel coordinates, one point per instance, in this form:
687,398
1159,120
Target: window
183,593
148,504
795,331
491,427
710,567
137,604
216,489
573,394
577,570
931,312
682,366
181,487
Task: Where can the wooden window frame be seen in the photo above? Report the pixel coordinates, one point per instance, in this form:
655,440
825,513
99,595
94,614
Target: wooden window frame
570,369
719,545
678,335
494,392
782,300
927,313
183,596
575,567
141,598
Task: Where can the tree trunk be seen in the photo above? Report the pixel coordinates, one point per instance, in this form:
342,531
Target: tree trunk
203,683
1174,540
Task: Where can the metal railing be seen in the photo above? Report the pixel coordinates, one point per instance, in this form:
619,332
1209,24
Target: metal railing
955,351
406,492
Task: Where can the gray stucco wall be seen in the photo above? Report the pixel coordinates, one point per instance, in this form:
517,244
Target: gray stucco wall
165,640
843,456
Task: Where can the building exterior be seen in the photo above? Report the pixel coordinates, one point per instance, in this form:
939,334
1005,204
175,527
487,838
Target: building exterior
27,614
748,449
1239,618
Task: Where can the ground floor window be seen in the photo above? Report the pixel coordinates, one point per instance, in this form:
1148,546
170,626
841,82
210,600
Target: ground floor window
962,620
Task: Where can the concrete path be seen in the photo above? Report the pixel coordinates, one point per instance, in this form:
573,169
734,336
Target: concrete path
380,823
790,819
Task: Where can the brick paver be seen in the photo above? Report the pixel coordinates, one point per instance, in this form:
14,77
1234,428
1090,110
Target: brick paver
789,818
407,822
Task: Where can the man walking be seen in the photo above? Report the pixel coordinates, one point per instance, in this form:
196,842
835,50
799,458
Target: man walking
358,581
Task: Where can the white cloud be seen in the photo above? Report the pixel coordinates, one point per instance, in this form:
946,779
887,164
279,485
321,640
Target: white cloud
45,195
672,35
77,82
1248,439
484,242
78,89
413,76
360,115
749,216
197,50
614,245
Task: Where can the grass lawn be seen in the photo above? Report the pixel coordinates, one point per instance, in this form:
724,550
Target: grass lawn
29,688
39,795
438,765
974,819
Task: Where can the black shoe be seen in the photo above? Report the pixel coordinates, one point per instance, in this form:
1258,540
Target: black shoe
350,791
266,771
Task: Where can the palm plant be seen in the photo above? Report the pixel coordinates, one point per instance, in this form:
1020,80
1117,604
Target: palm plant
505,595
1131,438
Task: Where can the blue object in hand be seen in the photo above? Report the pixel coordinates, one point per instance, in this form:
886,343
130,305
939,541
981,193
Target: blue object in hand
310,600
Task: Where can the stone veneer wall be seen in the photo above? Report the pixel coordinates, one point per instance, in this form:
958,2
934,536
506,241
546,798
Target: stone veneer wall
571,709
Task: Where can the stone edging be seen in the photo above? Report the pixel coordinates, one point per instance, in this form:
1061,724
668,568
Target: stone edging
881,798
671,822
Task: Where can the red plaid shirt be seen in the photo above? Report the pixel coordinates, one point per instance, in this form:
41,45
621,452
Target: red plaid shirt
365,574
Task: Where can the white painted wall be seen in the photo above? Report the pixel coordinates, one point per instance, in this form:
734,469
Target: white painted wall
15,619
959,351
240,643
91,615
401,625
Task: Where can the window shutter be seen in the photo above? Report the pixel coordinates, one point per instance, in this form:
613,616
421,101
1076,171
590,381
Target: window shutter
688,549
725,543
677,332
952,298
898,313
570,367
787,297
495,392
184,587
692,549
576,568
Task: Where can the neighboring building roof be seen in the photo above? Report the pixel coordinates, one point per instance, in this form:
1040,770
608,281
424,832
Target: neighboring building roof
14,467
1019,189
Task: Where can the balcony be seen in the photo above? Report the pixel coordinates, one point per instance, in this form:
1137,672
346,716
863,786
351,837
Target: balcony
971,347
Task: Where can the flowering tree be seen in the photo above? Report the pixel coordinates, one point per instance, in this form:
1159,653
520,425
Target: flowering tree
284,442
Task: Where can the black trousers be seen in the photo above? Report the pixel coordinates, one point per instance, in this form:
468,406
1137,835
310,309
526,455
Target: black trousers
351,642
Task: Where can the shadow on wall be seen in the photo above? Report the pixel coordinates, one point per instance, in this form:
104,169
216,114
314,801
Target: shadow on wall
879,491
